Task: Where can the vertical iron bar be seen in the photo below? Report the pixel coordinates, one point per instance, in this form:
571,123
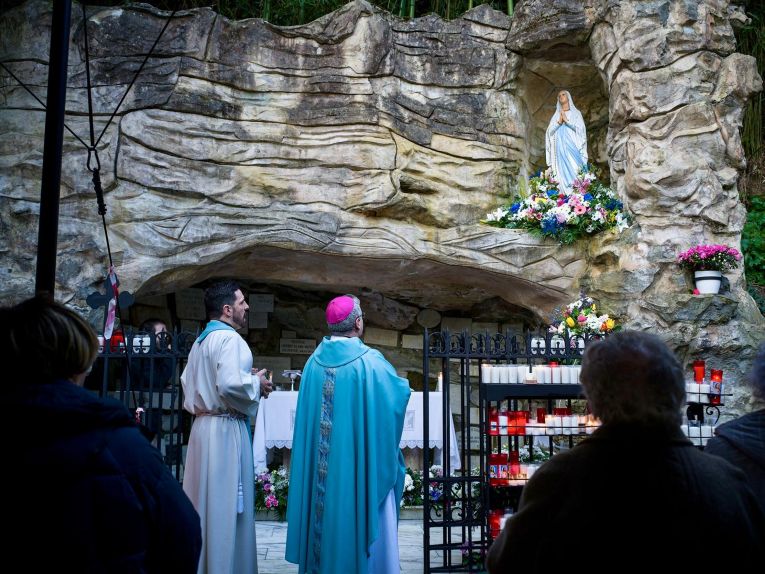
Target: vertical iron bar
47,234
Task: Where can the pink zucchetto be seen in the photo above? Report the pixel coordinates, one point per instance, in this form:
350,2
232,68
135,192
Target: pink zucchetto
339,309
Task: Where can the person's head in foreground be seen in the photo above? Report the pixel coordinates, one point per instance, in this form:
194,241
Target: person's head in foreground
53,342
633,377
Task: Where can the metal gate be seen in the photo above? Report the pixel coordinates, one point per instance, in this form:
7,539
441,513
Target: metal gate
457,500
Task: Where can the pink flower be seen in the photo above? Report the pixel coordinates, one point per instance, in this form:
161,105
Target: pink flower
267,487
581,319
696,292
271,501
580,209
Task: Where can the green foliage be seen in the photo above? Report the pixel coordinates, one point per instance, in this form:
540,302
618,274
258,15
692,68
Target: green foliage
753,241
295,12
751,40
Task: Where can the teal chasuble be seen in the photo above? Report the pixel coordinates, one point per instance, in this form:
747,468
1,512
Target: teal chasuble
345,456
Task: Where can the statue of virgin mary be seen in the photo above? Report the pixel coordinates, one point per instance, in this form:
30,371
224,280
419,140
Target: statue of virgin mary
566,141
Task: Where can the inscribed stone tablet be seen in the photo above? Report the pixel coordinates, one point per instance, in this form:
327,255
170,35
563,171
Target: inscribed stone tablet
384,337
190,304
297,346
261,303
411,341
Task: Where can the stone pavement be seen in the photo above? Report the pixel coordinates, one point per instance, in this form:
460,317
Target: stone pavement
272,537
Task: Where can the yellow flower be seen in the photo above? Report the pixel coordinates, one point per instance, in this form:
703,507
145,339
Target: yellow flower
570,321
610,324
594,308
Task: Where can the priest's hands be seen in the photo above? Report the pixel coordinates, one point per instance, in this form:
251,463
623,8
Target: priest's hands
266,386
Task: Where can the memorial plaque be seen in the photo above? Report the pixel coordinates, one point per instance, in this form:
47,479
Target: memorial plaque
384,337
481,328
411,341
456,324
258,320
297,346
190,304
261,303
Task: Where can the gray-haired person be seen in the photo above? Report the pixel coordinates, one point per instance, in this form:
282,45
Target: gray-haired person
636,494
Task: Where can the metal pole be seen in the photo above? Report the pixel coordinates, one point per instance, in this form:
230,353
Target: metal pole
47,235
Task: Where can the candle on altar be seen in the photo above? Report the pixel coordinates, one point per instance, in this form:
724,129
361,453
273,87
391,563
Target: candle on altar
440,385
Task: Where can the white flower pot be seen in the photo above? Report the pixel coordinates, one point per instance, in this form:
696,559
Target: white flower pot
708,281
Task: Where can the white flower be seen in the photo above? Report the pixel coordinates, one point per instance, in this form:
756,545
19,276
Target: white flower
408,483
496,215
621,222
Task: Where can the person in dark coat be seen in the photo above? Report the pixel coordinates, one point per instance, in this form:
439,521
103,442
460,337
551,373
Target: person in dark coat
83,489
636,495
742,441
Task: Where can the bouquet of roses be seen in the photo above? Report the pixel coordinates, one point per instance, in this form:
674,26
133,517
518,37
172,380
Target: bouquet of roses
581,318
709,258
590,207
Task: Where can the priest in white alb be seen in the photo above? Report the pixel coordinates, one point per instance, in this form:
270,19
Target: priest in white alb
222,392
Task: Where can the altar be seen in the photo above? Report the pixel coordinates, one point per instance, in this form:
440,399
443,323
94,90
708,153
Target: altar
275,422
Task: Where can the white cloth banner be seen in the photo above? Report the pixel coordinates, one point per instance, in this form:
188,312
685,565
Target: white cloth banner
275,422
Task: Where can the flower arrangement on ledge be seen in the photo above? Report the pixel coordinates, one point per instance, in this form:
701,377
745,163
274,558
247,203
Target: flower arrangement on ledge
709,258
271,491
581,318
591,207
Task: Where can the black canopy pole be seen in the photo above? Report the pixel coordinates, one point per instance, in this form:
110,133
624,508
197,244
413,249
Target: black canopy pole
47,235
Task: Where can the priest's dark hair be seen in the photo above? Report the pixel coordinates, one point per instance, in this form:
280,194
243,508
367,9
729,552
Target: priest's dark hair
51,341
219,294
633,377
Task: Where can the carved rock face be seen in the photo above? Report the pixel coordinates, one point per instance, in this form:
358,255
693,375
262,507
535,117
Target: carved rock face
360,151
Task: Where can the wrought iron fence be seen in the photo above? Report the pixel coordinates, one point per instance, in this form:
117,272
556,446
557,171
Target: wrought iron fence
142,370
457,501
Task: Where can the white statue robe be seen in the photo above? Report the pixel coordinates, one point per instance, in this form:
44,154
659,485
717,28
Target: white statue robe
566,145
221,392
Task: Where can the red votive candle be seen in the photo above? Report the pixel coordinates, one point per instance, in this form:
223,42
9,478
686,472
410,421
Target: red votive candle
699,370
715,386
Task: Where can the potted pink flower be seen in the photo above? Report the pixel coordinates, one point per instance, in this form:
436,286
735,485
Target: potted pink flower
708,262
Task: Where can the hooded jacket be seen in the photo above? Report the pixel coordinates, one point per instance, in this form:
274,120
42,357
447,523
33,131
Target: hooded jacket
742,442
86,491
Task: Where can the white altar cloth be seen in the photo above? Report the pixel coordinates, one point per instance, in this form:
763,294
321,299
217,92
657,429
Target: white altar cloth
275,422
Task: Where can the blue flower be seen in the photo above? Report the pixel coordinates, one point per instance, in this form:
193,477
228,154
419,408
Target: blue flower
515,207
550,225
552,193
587,197
613,204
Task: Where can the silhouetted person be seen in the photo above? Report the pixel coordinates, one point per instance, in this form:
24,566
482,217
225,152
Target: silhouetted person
742,441
636,495
83,489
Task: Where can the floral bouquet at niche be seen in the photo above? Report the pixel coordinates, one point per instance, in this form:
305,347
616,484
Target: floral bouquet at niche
589,208
271,491
581,318
709,258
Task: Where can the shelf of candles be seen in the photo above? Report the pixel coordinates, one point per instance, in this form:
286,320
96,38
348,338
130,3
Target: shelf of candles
550,425
499,392
548,374
702,393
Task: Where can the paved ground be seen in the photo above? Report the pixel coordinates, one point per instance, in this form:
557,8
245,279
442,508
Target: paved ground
273,535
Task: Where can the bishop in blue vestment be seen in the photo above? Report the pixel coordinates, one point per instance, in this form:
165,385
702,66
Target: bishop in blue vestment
347,471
